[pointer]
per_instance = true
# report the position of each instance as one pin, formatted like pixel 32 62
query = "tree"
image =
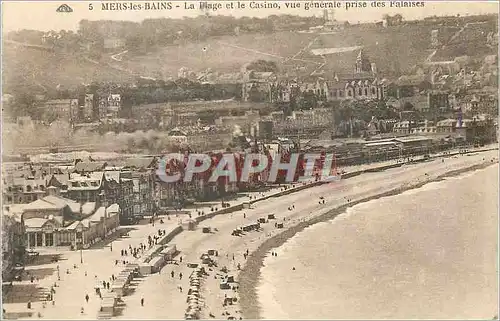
pixel 263 66
pixel 308 101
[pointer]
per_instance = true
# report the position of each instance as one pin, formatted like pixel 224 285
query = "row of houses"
pixel 129 185
pixel 258 86
pixel 478 128
pixel 81 110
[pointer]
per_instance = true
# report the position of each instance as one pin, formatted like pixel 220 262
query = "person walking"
pixel 142 302
pixel 87 298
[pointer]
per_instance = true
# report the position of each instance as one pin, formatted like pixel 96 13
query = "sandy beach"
pixel 162 292
pixel 165 295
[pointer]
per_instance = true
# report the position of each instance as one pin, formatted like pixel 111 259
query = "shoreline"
pixel 249 276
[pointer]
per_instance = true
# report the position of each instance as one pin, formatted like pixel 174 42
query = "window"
pixel 349 93
pixel 28 188
pixel 366 91
pixel 341 93
pixel 9 198
pixel 374 91
pixel 360 91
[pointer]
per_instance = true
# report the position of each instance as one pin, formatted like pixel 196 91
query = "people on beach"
pixel 87 298
pixel 142 302
pixel 180 276
pixel 172 274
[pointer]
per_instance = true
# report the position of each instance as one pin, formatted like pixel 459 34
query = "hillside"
pixel 227 53
pixel 471 41
pixel 395 50
pixel 46 69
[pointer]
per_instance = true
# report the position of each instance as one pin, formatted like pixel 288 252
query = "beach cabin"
pixel 145 268
pixel 213 252
pixel 157 263
pixel 279 225
pixel 119 287
pixel 262 220
pixel 169 252
pixel 189 225
pixel 206 229
pixel 271 217
pixel 108 304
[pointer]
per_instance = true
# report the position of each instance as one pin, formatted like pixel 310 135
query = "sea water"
pixel 426 253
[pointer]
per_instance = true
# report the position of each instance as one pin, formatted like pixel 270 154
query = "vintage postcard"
pixel 249 160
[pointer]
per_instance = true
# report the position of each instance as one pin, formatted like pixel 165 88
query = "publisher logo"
pixel 64 8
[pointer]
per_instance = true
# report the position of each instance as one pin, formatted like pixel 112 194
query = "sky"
pixel 42 15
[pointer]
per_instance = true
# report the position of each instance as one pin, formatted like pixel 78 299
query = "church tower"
pixel 362 63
